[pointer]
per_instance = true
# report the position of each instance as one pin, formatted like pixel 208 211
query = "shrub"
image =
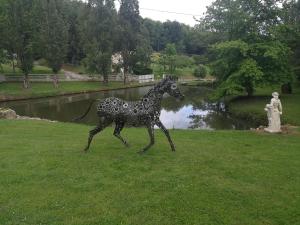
pixel 200 71
pixel 142 70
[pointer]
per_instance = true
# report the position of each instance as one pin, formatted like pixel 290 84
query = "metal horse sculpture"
pixel 144 112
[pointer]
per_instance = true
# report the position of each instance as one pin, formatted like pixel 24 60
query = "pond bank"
pixel 252 108
pixel 15 91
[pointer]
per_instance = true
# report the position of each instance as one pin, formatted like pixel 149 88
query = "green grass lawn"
pixel 37 69
pixel 253 108
pixel 14 90
pixel 222 177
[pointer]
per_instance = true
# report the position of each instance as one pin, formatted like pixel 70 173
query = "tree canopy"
pixel 246 43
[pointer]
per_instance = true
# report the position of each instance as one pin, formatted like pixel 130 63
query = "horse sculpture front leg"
pixel 166 132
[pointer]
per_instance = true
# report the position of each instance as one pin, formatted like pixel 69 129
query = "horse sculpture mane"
pixel 144 112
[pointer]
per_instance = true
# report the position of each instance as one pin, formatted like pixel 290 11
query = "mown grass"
pixel 253 108
pixel 222 177
pixel 15 90
pixel 37 69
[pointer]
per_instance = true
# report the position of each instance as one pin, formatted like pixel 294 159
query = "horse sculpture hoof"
pixel 127 145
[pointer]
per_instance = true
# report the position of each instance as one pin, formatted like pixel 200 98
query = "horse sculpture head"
pixel 169 85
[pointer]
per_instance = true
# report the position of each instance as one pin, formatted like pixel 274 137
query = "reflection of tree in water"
pixel 194 96
pixel 216 118
pixel 213 120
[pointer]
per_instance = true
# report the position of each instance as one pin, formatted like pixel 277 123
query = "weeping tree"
pixel 240 67
pixel 250 54
pixel 99 31
pixel 54 36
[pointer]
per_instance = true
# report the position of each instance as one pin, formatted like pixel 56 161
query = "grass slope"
pixel 11 90
pixel 37 69
pixel 223 177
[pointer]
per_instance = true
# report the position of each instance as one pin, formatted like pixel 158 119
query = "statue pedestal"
pixel 272 131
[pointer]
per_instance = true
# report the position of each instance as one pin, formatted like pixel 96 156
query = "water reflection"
pixel 192 113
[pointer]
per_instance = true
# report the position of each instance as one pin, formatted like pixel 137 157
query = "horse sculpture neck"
pixel 155 96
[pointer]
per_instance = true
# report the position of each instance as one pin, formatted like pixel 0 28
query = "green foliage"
pixel 130 28
pixel 243 19
pixel 239 66
pixel 96 61
pixel 20 33
pixel 99 33
pixel 170 57
pixel 53 32
pixel 200 71
pixel 3 58
pixel 139 69
pixel 184 61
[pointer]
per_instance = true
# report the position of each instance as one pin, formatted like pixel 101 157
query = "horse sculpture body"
pixel 144 112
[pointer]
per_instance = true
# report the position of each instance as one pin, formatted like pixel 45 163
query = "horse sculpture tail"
pixel 84 115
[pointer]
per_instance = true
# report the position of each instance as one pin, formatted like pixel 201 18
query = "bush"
pixel 142 70
pixel 200 71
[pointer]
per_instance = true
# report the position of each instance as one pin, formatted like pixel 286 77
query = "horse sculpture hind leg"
pixel 117 131
pixel 150 128
pixel 104 122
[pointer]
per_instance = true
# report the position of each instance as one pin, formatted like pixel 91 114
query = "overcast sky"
pixel 194 7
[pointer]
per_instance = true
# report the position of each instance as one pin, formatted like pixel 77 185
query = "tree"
pixel 200 71
pixel 8 39
pixel 171 53
pixel 240 67
pixel 3 58
pixel 130 27
pixel 243 19
pixel 99 34
pixel 155 33
pixel 289 33
pixel 142 56
pixel 250 54
pixel 21 29
pixel 54 36
pixel 74 18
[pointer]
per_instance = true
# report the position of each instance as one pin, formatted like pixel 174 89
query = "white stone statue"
pixel 274 110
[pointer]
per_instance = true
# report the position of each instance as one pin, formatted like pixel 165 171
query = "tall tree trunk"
pixel 13 65
pixel 249 90
pixel 125 75
pixel 286 88
pixel 105 79
pixel 26 81
pixel 55 80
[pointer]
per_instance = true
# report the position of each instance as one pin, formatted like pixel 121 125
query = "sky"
pixel 194 7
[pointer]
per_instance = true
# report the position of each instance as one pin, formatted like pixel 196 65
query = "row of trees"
pixel 246 43
pixel 73 31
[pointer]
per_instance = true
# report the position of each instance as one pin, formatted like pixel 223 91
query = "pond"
pixel 194 112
